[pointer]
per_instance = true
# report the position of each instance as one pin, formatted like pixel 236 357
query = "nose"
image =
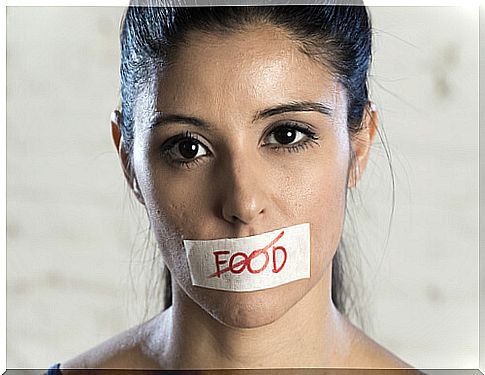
pixel 244 196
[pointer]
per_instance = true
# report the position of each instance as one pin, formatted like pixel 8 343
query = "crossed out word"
pixel 245 263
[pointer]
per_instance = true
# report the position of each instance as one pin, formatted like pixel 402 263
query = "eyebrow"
pixel 160 118
pixel 293 107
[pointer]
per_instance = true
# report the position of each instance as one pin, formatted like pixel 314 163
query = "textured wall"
pixel 75 240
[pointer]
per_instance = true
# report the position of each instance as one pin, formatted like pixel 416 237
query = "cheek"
pixel 181 206
pixel 170 198
pixel 171 214
pixel 328 214
pixel 165 204
pixel 321 199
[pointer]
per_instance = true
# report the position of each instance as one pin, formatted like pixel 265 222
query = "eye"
pixel 285 135
pixel 189 149
pixel 290 136
pixel 184 149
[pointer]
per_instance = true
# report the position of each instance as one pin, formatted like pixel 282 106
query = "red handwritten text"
pixel 240 261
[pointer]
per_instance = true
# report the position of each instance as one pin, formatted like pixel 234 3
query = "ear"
pixel 361 142
pixel 124 156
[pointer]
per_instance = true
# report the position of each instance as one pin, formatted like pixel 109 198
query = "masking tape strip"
pixel 251 263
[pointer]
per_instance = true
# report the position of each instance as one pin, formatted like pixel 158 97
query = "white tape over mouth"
pixel 251 263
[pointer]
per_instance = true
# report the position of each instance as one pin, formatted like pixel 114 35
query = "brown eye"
pixel 184 148
pixel 285 135
pixel 188 149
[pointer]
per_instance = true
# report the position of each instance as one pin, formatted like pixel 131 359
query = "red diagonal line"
pixel 224 270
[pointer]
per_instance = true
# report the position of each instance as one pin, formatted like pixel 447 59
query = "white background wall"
pixel 72 227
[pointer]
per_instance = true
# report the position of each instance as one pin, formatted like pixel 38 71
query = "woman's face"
pixel 260 142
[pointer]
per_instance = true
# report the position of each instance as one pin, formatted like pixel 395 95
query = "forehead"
pixel 242 72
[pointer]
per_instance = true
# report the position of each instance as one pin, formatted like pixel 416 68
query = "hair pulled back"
pixel 338 36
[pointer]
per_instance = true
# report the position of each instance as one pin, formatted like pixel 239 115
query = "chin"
pixel 251 309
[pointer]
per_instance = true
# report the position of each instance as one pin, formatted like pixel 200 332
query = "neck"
pixel 307 335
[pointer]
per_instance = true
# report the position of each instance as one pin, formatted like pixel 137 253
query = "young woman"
pixel 238 123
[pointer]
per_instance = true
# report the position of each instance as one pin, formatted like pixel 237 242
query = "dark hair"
pixel 338 36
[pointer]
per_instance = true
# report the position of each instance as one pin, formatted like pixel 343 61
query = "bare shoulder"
pixel 125 350
pixel 367 353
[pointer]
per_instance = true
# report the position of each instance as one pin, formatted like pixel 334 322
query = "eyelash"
pixel 167 147
pixel 302 145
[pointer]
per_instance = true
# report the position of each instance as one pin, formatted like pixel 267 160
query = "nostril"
pixel 240 213
pixel 241 199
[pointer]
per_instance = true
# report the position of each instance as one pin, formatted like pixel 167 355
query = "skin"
pixel 243 183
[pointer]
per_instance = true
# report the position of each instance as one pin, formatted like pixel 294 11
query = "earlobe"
pixel 137 192
pixel 118 142
pixel 116 129
pixel 123 155
pixel 361 142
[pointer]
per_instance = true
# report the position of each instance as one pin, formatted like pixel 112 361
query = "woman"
pixel 242 124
